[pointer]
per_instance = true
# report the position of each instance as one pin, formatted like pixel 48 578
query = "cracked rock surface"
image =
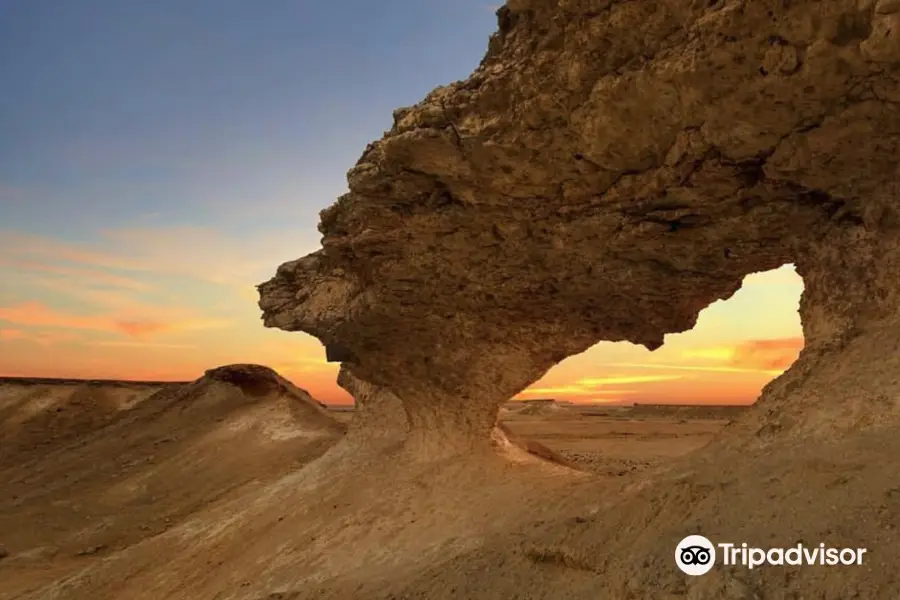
pixel 609 170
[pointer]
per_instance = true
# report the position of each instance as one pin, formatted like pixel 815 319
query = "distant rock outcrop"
pixel 549 409
pixel 226 388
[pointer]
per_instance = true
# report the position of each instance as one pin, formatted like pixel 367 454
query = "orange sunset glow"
pixel 127 307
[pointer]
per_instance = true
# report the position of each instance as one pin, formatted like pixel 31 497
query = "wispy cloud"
pixel 602 389
pixel 137 282
pixel 145 327
pixel 769 357
pixel 716 353
pixel 593 382
pixel 592 386
pixel 43 338
pixel 197 252
pixel 579 394
pixel 764 355
pixel 92 287
pixel 140 344
pixel 35 314
pixel 85 291
pixel 696 368
pixel 29 247
pixel 302 364
pixel 79 274
pixel 11 334
pixel 572 390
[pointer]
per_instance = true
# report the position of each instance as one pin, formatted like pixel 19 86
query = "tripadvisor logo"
pixel 696 555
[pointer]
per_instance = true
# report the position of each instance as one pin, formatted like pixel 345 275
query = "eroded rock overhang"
pixel 608 171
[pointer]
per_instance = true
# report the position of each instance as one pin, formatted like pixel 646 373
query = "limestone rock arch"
pixel 609 170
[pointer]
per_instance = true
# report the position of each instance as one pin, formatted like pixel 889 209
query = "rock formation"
pixel 256 384
pixel 379 418
pixel 609 170
pixel 380 423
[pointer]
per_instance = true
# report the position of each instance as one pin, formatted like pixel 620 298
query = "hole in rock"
pixel 737 346
pixel 673 400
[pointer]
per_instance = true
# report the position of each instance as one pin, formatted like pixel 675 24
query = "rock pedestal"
pixel 608 171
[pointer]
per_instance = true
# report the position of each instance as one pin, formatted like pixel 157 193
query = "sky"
pixel 160 159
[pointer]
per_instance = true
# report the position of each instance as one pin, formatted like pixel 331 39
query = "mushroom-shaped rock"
pixel 609 170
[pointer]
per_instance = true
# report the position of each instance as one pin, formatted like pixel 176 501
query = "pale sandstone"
pixel 608 171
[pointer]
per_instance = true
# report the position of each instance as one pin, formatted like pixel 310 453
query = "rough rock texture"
pixel 608 171
pixel 261 384
pixel 381 423
pixel 532 447
pixel 379 418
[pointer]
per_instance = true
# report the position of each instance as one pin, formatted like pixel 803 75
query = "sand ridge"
pixel 113 474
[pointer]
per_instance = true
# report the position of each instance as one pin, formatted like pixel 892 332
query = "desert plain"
pixel 102 479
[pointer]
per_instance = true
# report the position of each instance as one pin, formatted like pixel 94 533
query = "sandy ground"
pixel 91 469
pixel 222 490
pixel 618 445
pixel 104 484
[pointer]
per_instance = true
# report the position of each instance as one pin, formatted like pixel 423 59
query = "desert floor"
pixel 92 473
pixel 615 444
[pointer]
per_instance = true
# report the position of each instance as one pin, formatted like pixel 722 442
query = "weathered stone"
pixel 608 171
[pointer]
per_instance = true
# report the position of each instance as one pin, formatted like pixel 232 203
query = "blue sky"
pixel 199 111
